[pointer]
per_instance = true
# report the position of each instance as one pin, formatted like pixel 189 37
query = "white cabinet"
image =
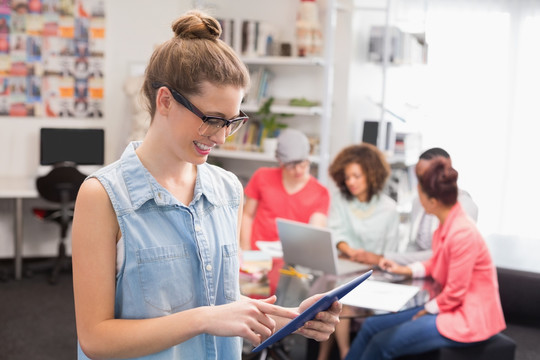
pixel 291 77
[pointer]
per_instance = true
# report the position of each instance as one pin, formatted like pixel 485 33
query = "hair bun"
pixel 196 25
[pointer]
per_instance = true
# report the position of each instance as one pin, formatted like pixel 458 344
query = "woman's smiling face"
pixel 222 101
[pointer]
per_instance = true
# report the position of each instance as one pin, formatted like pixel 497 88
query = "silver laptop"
pixel 313 247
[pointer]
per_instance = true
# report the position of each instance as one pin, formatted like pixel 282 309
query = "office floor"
pixel 38 322
pixel 37 319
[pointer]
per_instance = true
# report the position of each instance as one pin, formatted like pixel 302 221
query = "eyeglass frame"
pixel 292 165
pixel 182 100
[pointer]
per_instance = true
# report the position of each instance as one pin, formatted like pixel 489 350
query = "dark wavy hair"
pixel 373 164
pixel 434 152
pixel 439 181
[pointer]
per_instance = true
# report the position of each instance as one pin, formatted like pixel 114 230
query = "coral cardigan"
pixel 469 304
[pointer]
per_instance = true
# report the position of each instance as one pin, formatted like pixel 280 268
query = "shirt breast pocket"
pixel 165 276
pixel 230 271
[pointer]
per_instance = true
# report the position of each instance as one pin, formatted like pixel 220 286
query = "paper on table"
pixel 378 295
pixel 272 248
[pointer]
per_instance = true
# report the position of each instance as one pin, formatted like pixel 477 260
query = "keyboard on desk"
pixel 345 266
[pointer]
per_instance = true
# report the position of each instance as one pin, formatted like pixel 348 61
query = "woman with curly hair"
pixel 364 221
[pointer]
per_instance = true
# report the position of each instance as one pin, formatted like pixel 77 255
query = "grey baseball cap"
pixel 293 145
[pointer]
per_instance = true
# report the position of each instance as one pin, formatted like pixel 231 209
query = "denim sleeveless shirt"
pixel 176 257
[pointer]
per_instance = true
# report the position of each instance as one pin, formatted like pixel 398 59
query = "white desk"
pixel 18 189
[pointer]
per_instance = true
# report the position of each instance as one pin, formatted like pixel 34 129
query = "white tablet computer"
pixel 320 305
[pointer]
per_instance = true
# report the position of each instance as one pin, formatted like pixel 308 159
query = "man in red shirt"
pixel 288 191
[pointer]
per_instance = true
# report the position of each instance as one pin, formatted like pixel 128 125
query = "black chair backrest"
pixel 61 184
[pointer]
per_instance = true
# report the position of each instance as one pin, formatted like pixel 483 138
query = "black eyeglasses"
pixel 299 163
pixel 211 124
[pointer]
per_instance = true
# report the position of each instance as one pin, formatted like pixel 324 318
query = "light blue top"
pixel 175 257
pixel 372 226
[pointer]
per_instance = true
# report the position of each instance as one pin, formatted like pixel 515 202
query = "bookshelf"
pixel 287 109
pixel 252 155
pixel 284 78
pixel 284 60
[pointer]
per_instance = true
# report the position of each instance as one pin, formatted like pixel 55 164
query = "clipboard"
pixel 320 305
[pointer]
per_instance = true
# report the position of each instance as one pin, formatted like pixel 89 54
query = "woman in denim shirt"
pixel 155 234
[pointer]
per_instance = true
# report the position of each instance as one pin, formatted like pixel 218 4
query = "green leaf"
pixel 269 120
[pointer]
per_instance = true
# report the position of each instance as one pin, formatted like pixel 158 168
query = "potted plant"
pixel 271 125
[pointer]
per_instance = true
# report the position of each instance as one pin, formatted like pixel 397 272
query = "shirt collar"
pixel 452 215
pixel 365 204
pixel 142 186
pixel 205 185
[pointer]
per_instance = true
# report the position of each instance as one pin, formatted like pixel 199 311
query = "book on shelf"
pixel 249 138
pixel 258 90
pixel 257 38
pixel 227 31
pixel 267 40
pixel 250 38
pixel 263 85
pixel 250 142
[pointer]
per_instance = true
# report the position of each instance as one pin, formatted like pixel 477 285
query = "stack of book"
pixel 249 138
pixel 250 38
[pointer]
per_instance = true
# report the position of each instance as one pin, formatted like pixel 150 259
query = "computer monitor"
pixel 370 133
pixel 79 146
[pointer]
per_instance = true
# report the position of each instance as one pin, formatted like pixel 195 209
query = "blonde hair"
pixel 194 54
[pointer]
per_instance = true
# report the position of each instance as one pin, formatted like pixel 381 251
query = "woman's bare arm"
pixel 95 233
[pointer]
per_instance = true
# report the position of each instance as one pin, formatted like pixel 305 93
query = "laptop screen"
pixel 313 247
pixel 307 246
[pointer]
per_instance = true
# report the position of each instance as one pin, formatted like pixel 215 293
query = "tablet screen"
pixel 320 305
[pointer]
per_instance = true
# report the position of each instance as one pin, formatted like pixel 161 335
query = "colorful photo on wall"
pixel 52 58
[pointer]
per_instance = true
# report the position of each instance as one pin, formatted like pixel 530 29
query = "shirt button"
pixel 208 267
pixel 197 228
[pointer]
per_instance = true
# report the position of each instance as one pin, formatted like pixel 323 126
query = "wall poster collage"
pixel 52 58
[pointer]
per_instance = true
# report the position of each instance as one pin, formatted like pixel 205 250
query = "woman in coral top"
pixel 468 308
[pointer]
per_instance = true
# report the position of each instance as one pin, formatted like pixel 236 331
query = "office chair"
pixel 60 186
